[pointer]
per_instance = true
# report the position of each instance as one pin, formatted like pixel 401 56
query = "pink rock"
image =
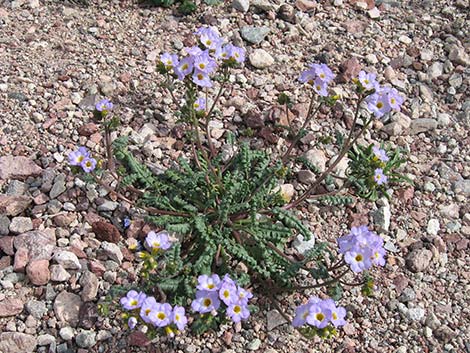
pixel 306 5
pixel 39 244
pixel 18 167
pixel 38 272
pixel 41 199
pixel 370 3
pixel 10 307
pixel 6 245
pixel 21 260
pixel 88 129
pixel 349 69
pixel 97 268
pixel 13 205
pixel 5 261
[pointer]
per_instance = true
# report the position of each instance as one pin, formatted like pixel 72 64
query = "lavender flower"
pixel 358 259
pixel 201 79
pixel 380 154
pixel 223 52
pixel 78 156
pixel 193 51
pixel 238 311
pixel 383 101
pixel 394 99
pixel 319 315
pixel 160 316
pixel 133 300
pixel 228 292
pixel 158 241
pixel 204 63
pixel 301 314
pixel 132 322
pixel 178 317
pixel 169 60
pixel 147 308
pixel 379 176
pixel 243 295
pixel 199 104
pixel 337 313
pixel 208 283
pixel 368 80
pixel 237 53
pixel 126 222
pixel 209 37
pixel 88 164
pixel 323 72
pixel 205 302
pixel 184 67
pixel 321 87
pixel 104 105
pixel 319 76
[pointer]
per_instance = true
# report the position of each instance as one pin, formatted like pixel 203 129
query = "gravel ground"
pixel 57 260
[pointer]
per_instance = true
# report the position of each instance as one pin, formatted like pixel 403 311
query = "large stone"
pixel 112 251
pixel 303 246
pixel 21 260
pixel 10 307
pixel 67 307
pixel 59 186
pixel 106 232
pixel 86 339
pixel 36 308
pixel 241 5
pixel 254 35
pixel 40 245
pixel 18 168
pixel 16 342
pixel 68 260
pixel 261 59
pixel 90 284
pixel 59 274
pixel 317 158
pixel 274 319
pixel 349 69
pixel 422 125
pixel 13 205
pixel 418 260
pixel 38 272
pixel 462 187
pixel 459 56
pixel 20 225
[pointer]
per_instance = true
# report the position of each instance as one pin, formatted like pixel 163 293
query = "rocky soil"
pixel 62 247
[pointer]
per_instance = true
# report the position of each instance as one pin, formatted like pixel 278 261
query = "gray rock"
pixel 16 187
pixel 435 70
pixel 254 345
pixel 108 206
pixel 407 295
pixel 274 319
pixel 241 5
pixel 382 218
pixel 443 119
pixel 462 187
pixel 58 187
pixel 36 308
pixel 67 307
pixel 415 314
pixel 261 59
pixel 112 251
pixel 418 260
pixel 301 245
pixel 317 158
pixel 306 176
pixel 254 35
pixel 46 340
pixel 66 333
pixel 444 333
pixel 59 274
pixel 16 342
pixel 18 168
pixel 265 5
pixel 422 125
pixel 90 284
pixel 86 339
pixel 459 56
pixel 68 260
pixel 4 225
pixel 20 225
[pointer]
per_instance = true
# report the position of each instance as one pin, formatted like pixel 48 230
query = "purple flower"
pixel 104 105
pixel 133 300
pixel 379 176
pixel 169 60
pixel 193 51
pixel 147 308
pixel 323 72
pixel 204 63
pixel 157 241
pixel 132 322
pixel 199 104
pixel 178 317
pixel 201 79
pixel 378 104
pixel 205 302
pixel 160 316
pixel 228 293
pixel 321 87
pixel 78 156
pixel 237 53
pixel 301 314
pixel 378 256
pixel 223 52
pixel 184 67
pixel 337 313
pixel 380 154
pixel 307 76
pixel 394 99
pixel 126 223
pixel 243 295
pixel 238 311
pixel 209 37
pixel 319 315
pixel 368 80
pixel 88 164
pixel 358 259
pixel 208 283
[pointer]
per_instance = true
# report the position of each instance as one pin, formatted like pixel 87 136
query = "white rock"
pixel 405 40
pixel 68 260
pixel 241 5
pixel 374 13
pixel 433 226
pixel 113 251
pixel 261 59
pixel 66 333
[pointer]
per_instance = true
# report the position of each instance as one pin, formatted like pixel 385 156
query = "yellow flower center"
pixel 208 42
pixel 335 317
pixel 318 87
pixel 237 309
pixel 88 164
pixel 393 100
pixel 380 105
pixel 226 293
pixel 148 311
pixel 185 66
pixel 202 66
pixel 161 316
pixel 169 63
pixel 155 244
pixel 207 302
pixel 81 158
pixel 177 317
pixel 200 76
pixel 358 258
pixel 133 302
pixel 210 286
pixel 320 316
pixel 366 81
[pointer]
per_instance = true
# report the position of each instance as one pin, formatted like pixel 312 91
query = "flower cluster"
pixel 380 154
pixel 157 241
pixel 362 248
pixel 82 158
pixel 202 60
pixel 319 313
pixel 212 290
pixel 383 99
pixel 319 76
pixel 160 315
